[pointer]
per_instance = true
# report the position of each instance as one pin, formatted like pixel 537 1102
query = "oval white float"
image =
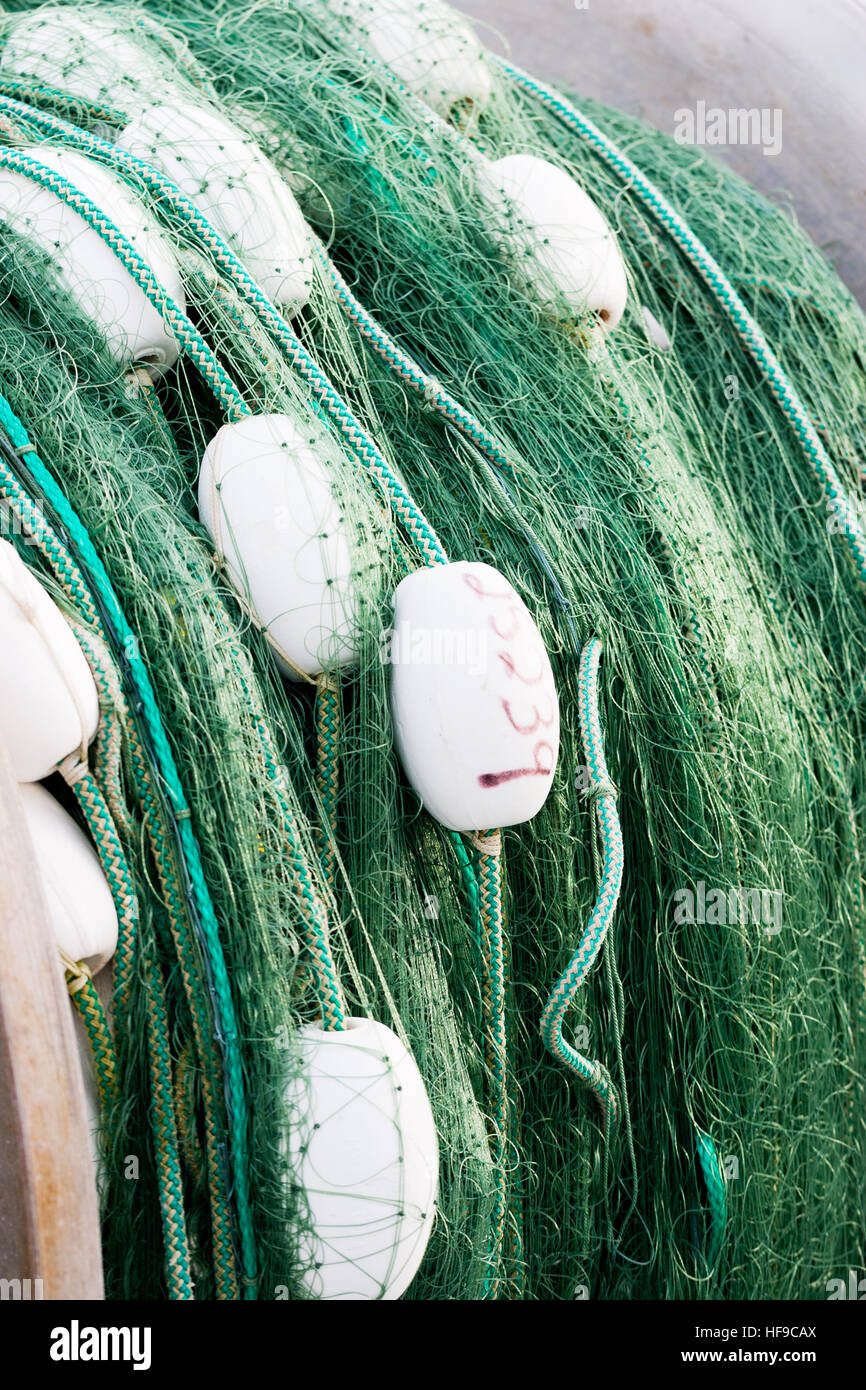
pixel 80 906
pixel 363 1146
pixel 556 239
pixel 476 714
pixel 236 187
pixel 267 499
pixel 106 292
pixel 49 705
pixel 88 53
pixel 428 46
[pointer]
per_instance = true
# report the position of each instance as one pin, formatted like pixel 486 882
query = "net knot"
pixel 603 788
pixel 432 391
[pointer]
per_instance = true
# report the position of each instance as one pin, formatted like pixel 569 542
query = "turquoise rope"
pixel 203 916
pixel 717 1194
pixel 602 791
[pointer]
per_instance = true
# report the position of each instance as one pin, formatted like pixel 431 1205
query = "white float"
pixel 235 186
pixel 363 1146
pixel 475 709
pixel 266 496
pixel 86 52
pixel 49 705
pixel 556 240
pixel 106 292
pixel 80 906
pixel 427 45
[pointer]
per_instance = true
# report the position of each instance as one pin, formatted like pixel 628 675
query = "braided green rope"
pixel 327 772
pixel 89 1007
pixel 402 365
pixel 29 92
pixel 105 752
pixel 489 846
pixel 101 825
pixel 748 331
pixel 165 1133
pixel 185 1113
pixel 88 1004
pixel 197 891
pixel 603 793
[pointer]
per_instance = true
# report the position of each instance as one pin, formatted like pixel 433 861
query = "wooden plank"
pixel 49 1218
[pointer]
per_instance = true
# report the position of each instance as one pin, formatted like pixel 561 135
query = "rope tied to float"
pixel 88 1006
pixel 78 971
pixel 494 983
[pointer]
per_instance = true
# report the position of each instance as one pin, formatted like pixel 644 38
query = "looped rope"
pixel 88 1005
pixel 73 768
pixel 602 793
pixel 78 972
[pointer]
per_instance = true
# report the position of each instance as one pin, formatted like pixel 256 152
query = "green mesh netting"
pixel 657 498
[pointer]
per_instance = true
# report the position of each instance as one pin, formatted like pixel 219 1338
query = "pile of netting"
pixel 686 489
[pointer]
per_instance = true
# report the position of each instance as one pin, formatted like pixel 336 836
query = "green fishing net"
pixel 649 491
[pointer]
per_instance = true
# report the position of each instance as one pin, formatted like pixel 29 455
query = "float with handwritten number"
pixel 476 714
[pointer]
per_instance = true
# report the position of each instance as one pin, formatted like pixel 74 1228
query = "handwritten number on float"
pixel 542 765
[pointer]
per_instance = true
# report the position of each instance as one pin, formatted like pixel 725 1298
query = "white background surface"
pixel 651 57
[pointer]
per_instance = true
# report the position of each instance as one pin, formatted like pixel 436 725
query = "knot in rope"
pixel 488 841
